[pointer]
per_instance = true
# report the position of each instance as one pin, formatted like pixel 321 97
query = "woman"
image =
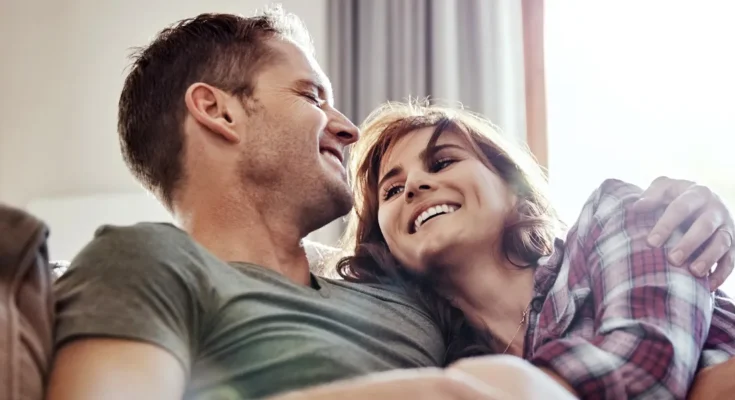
pixel 449 208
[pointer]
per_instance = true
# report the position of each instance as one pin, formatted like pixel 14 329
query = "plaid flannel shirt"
pixel 613 318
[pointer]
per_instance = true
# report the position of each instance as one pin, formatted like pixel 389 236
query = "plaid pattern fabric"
pixel 613 318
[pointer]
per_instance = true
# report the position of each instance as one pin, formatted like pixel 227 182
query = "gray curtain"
pixel 467 52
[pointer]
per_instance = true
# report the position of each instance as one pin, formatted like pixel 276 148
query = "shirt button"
pixel 537 303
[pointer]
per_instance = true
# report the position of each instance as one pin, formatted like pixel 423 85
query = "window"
pixel 638 89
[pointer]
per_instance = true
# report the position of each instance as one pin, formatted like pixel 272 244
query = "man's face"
pixel 295 139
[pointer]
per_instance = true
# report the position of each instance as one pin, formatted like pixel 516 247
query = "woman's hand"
pixel 709 236
pixel 516 377
pixel 714 383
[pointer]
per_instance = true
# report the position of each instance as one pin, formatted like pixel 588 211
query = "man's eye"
pixel 312 98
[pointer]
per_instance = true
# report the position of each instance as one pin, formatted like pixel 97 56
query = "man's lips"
pixel 333 151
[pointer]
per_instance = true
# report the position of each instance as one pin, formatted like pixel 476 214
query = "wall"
pixel 62 69
pixel 61 80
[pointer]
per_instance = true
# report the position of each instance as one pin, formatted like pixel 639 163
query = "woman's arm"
pixel 651 318
pixel 715 383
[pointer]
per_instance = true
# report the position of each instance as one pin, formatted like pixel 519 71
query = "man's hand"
pixel 515 377
pixel 711 227
pixel 429 384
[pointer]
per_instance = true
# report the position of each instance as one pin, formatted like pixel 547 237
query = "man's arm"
pixel 111 369
pixel 517 378
pixel 424 383
pixel 128 312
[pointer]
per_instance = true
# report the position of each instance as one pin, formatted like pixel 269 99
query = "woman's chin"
pixel 439 248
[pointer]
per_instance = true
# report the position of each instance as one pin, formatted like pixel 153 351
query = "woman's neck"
pixel 494 294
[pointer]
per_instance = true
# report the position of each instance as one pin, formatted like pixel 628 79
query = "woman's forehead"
pixel 413 144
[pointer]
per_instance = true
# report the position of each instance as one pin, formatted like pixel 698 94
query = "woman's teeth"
pixel 432 212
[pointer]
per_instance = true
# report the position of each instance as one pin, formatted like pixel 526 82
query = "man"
pixel 230 122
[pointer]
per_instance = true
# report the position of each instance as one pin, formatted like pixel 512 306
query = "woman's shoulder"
pixel 612 194
pixel 612 200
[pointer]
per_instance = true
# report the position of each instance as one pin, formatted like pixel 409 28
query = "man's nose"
pixel 342 128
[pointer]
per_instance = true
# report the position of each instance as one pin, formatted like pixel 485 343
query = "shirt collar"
pixel 547 270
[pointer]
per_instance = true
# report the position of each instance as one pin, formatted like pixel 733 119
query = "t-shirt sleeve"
pixel 132 283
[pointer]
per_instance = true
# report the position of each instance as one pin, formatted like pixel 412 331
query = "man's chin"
pixel 341 197
pixel 335 202
pixel 343 204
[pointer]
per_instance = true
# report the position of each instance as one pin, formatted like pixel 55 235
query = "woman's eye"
pixel 441 164
pixel 392 191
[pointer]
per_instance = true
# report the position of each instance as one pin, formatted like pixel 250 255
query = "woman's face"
pixel 436 205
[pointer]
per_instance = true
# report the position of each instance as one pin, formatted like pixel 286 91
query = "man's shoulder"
pixel 143 234
pixel 143 239
pixel 139 248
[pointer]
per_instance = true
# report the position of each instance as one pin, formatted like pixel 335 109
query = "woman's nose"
pixel 416 187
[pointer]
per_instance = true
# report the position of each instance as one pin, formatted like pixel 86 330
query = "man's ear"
pixel 209 106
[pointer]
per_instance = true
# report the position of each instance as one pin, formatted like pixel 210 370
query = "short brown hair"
pixel 529 231
pixel 223 50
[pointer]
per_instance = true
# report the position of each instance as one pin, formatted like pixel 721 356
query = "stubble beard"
pixel 333 201
pixel 317 198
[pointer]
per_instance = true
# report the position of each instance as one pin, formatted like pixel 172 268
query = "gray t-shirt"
pixel 239 330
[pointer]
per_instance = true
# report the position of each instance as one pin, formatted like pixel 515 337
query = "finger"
pixel 653 196
pixel 717 247
pixel 724 268
pixel 702 231
pixel 684 207
pixel 661 192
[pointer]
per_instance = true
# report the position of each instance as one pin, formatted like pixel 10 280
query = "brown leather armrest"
pixel 26 306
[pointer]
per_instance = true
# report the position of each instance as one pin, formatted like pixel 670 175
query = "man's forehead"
pixel 303 65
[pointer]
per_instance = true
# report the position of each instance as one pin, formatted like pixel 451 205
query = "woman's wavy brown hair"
pixel 528 233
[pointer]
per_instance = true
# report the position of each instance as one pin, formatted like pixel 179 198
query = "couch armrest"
pixel 26 306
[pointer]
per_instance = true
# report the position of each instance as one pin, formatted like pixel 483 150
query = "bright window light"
pixel 638 89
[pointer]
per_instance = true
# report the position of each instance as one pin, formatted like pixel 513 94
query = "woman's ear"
pixel 208 105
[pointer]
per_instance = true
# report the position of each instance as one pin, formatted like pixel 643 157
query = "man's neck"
pixel 245 231
pixel 490 290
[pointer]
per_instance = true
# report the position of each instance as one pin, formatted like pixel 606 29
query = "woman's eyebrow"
pixel 428 152
pixel 393 172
